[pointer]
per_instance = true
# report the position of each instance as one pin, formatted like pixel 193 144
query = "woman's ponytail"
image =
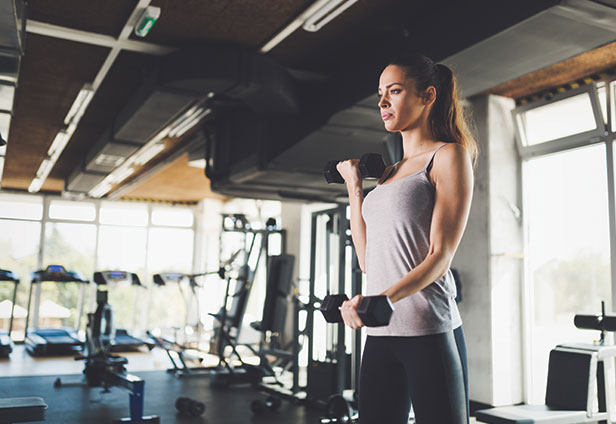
pixel 447 117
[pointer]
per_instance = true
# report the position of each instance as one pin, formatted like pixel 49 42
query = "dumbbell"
pixel 190 406
pixel 258 406
pixel 374 311
pixel 371 165
pixel 339 410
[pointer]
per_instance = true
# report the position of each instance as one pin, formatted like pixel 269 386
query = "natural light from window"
pixel 573 115
pixel 568 253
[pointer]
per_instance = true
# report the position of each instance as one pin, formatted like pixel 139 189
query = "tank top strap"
pixel 432 156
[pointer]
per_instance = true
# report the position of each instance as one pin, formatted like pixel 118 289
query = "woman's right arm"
pixel 349 170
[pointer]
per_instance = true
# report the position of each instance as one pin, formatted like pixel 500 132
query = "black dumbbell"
pixel 371 165
pixel 339 410
pixel 258 406
pixel 190 406
pixel 374 311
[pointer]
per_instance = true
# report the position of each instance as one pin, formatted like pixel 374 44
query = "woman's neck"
pixel 416 141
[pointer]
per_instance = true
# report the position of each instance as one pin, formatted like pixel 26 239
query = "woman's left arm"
pixel 452 175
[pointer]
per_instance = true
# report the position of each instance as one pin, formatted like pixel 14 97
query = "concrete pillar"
pixel 490 262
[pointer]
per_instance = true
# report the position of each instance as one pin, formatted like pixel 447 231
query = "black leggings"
pixel 431 370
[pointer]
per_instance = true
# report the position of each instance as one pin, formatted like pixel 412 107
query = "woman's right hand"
pixel 349 170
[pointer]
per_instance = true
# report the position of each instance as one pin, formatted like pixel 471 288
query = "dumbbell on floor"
pixel 371 165
pixel 374 311
pixel 339 410
pixel 258 406
pixel 189 406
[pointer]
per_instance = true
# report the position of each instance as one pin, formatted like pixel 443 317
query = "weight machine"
pixel 104 369
pixel 574 371
pixel 256 242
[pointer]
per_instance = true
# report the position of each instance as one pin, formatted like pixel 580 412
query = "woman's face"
pixel 402 107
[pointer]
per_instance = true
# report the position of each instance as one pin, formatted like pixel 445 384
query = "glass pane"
pixel 123 214
pixel 7 93
pixel 60 305
pixel 602 94
pixel 123 248
pixel 19 246
pixel 177 217
pixel 21 207
pixel 568 249
pixel 73 246
pixel 70 245
pixel 79 211
pixel 613 102
pixel 5 123
pixel 563 118
pixel 169 249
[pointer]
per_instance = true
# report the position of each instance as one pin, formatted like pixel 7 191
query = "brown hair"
pixel 447 117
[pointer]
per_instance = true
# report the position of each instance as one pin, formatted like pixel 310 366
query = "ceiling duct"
pixel 244 160
pixel 551 36
pixel 187 83
pixel 12 35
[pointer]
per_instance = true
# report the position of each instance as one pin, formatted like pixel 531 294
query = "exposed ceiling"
pixel 333 70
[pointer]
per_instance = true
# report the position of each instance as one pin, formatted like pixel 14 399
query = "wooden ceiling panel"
pixel 245 22
pixel 52 73
pixel 121 83
pixel 103 17
pixel 177 182
pixel 577 67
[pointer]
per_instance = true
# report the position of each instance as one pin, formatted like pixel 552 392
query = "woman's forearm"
pixel 433 267
pixel 358 225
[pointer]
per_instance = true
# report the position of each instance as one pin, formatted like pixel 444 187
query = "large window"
pixel 72 246
pixel 568 249
pixel 563 142
pixel 19 247
pixel 122 245
pixel 169 249
pixel 86 236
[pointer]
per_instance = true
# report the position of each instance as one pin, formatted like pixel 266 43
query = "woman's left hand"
pixel 348 310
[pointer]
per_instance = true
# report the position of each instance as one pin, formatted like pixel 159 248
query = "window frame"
pixel 608 137
pixel 596 135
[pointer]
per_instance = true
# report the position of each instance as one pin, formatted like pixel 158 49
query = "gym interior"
pixel 168 237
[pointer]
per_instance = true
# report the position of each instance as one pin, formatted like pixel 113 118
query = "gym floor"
pixel 74 404
pixel 23 375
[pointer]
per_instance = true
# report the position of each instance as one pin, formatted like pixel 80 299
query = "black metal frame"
pixel 63 277
pixel 231 375
pixel 340 226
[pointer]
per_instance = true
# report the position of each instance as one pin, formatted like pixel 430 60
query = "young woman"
pixel 406 232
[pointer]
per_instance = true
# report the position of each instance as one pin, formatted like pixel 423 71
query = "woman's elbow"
pixel 443 259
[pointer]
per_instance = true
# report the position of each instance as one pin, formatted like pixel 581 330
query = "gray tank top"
pixel 398 217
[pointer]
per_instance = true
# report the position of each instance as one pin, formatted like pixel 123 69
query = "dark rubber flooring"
pixel 84 405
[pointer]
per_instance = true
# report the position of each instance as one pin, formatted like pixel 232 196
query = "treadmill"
pixel 54 341
pixel 6 345
pixel 122 341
